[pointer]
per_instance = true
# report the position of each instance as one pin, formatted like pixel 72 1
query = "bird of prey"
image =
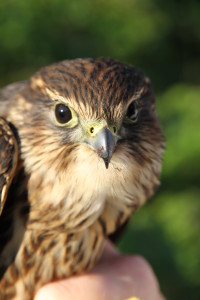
pixel 80 150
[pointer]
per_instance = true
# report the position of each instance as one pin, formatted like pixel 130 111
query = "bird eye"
pixel 63 113
pixel 132 112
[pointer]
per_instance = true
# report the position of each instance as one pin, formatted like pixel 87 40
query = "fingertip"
pixel 43 293
pixel 142 272
pixel 51 291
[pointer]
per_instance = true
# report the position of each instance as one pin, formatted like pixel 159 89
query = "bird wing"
pixel 8 159
pixel 9 150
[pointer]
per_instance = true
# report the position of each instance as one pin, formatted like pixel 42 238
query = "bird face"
pixel 91 123
pixel 95 102
pixel 99 134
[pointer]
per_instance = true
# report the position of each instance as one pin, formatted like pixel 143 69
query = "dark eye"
pixel 63 113
pixel 132 111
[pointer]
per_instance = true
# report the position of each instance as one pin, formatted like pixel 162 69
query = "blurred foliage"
pixel 163 38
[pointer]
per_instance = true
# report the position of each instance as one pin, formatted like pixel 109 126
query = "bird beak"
pixel 104 142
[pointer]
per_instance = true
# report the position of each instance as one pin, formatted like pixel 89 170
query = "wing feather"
pixel 8 159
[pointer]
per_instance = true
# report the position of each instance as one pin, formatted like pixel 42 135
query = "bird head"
pixel 100 103
pixel 90 122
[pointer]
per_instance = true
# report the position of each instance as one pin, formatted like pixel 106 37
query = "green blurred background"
pixel 162 38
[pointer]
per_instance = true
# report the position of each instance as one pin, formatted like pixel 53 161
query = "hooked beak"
pixel 104 143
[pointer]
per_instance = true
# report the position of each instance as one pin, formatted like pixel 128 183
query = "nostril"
pixel 114 129
pixel 91 130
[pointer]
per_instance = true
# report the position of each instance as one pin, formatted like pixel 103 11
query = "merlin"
pixel 80 151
